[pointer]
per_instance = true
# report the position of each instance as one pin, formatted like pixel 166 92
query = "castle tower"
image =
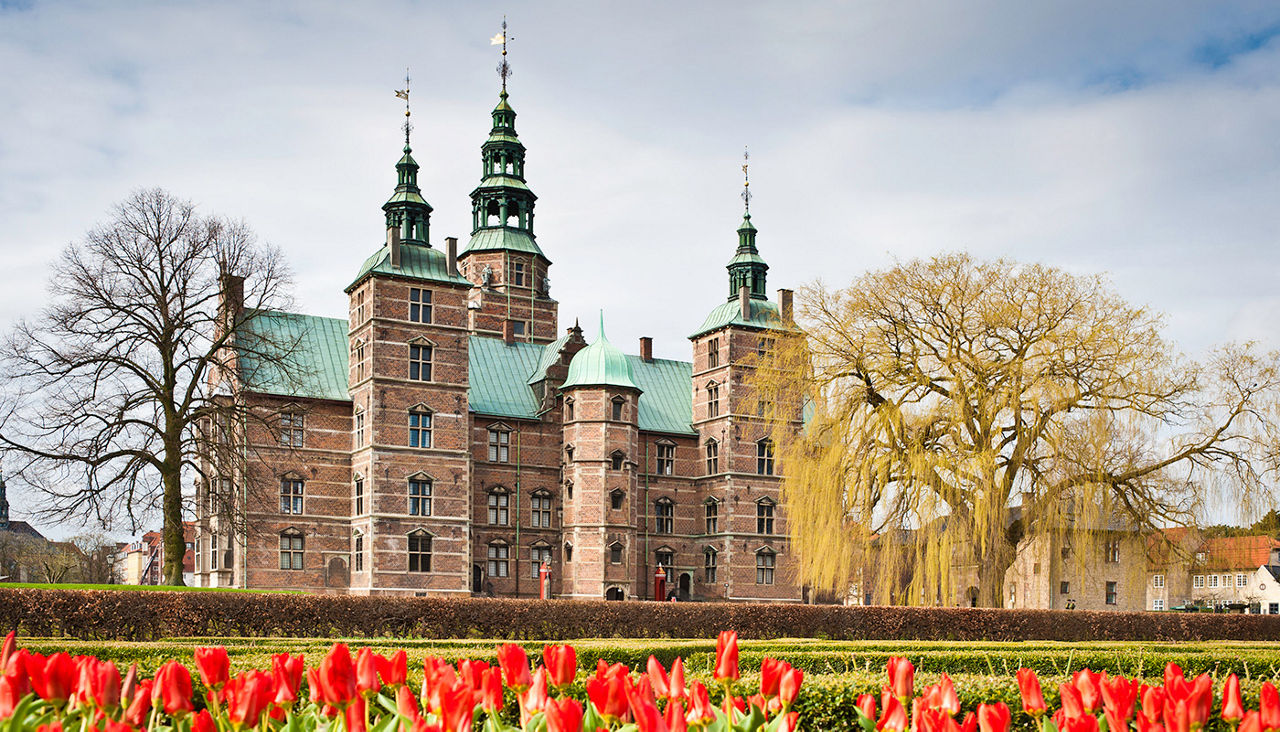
pixel 409 502
pixel 602 509
pixel 739 487
pixel 502 259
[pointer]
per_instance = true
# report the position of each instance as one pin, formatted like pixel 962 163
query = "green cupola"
pixel 600 364
pixel 747 268
pixel 502 205
pixel 407 210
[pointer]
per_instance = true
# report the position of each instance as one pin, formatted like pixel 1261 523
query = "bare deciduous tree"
pixel 106 400
pixel 959 407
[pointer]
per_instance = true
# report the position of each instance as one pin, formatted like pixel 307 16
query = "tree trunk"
pixel 991 570
pixel 172 535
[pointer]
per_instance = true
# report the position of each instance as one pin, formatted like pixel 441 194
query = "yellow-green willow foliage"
pixel 953 408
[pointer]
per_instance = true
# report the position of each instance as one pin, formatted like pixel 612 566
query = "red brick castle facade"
pixel 449 439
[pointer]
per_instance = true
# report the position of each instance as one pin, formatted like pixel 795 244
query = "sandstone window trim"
pixel 617 496
pixel 420 305
pixel 292 426
pixel 713 399
pixel 540 504
pixel 617 405
pixel 539 552
pixel 357 358
pixel 359 426
pixel 420 426
pixel 713 456
pixel 766 564
pixel 710 559
pixel 292 491
pixel 499 443
pixel 617 460
pixel 358 492
pixel 419 548
pixel 421 359
pixel 615 552
pixel 711 516
pixel 568 551
pixel 568 409
pixel 664 557
pixel 499 504
pixel 765 516
pixel 665 457
pixel 664 510
pixel 292 549
pixel 420 487
pixel 713 353
pixel 357 551
pixel 499 558
pixel 764 456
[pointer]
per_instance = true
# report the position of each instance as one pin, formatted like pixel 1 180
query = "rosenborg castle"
pixel 450 439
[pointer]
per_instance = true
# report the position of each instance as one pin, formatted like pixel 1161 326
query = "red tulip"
pixel 658 677
pixel 356 713
pixel 727 656
pixel 1172 674
pixel 515 666
pixel 1232 707
pixel 366 673
pixel 395 670
pixel 1088 684
pixel 562 664
pixel 438 677
pixel 173 689
pixel 1032 696
pixel 1200 700
pixel 337 677
pixel 563 716
pixel 902 677
pixel 55 726
pixel 609 695
pixel 491 690
pixel 55 679
pixel 1152 704
pixel 1177 715
pixel 929 719
pixel 246 698
pixel 701 711
pixel 867 705
pixel 993 717
pixel 534 699
pixel 99 683
pixel 214 666
pixel 789 686
pixel 644 710
pixel 457 709
pixel 790 722
pixel 947 700
pixel 970 723
pixel 1072 706
pixel 140 705
pixel 407 704
pixel 894 716
pixel 202 722
pixel 114 726
pixel 1269 706
pixel 10 695
pixel 1118 697
pixel 770 673
pixel 1252 722
pixel 673 716
pixel 286 672
pixel 1083 723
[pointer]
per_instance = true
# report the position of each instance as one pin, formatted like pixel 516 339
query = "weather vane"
pixel 746 179
pixel 504 68
pixel 404 94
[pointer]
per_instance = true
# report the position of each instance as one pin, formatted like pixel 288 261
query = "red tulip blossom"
pixel 337 677
pixel 394 670
pixel 893 718
pixel 1089 684
pixel 533 699
pixel 789 686
pixel 562 664
pixel 99 683
pixel 1252 722
pixel 727 656
pixel 214 666
pixel 902 675
pixel 564 715
pixel 140 705
pixel 515 666
pixel 407 704
pixel 173 689
pixel 609 695
pixel 55 678
pixel 457 708
pixel 246 697
pixel 867 705
pixel 491 690
pixel 1232 707
pixel 1072 706
pixel 994 717
pixel 367 683
pixel 1032 696
pixel 10 695
pixel 658 679
pixel 1119 696
pixel 201 722
pixel 286 672
pixel 770 673
pixel 1269 706
pixel 701 711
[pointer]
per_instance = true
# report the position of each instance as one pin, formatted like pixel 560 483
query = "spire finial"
pixel 504 68
pixel 601 323
pixel 746 180
pixel 404 94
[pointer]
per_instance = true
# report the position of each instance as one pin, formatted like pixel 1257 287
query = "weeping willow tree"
pixel 956 408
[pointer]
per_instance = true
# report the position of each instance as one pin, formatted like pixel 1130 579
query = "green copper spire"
pixel 747 268
pixel 407 210
pixel 600 364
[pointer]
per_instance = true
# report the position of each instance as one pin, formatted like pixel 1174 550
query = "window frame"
pixel 537 554
pixel 617 499
pixel 293 429
pixel 540 515
pixel 421 420
pixel 357 552
pixel 499 444
pixel 616 552
pixel 617 406
pixel 664 512
pixel 357 490
pixel 712 451
pixel 420 488
pixel 1157 581
pixel 765 515
pixel 713 353
pixel 617 460
pixel 421 360
pixel 711 516
pixel 292 492
pixel 766 565
pixel 292 553
pixel 498 558
pixel 499 506
pixel 710 564
pixel 420 305
pixel 1197 582
pixel 1112 590
pixel 764 456
pixel 420 554
pixel 665 458
pixel 713 400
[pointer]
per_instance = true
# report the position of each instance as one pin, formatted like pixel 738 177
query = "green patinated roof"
pixel 503 238
pixel 666 404
pixel 417 262
pixel 550 354
pixel 408 197
pixel 600 364
pixel 747 258
pixel 764 314
pixel 502 136
pixel 503 181
pixel 316 367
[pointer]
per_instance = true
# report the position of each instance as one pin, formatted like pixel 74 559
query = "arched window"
pixel 766 561
pixel 419 551
pixel 709 559
pixel 541 501
pixel 713 457
pixel 291 549
pixel 764 516
pixel 713 400
pixel 420 495
pixel 498 504
pixel 764 457
pixel 663 513
pixel 499 556
pixel 616 460
pixel 420 426
pixel 617 404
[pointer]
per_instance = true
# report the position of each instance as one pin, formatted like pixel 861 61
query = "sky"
pixel 1137 139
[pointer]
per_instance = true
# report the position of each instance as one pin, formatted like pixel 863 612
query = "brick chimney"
pixel 744 302
pixel 393 243
pixel 646 349
pixel 230 301
pixel 451 254
pixel 508 331
pixel 784 304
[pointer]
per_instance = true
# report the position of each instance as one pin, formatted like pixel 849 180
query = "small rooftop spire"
pixel 504 68
pixel 602 324
pixel 746 181
pixel 404 94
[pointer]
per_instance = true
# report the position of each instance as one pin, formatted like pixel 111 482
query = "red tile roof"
pixel 1238 552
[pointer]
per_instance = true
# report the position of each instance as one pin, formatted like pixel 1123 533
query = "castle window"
pixel 666 458
pixel 498 501
pixel 419 427
pixel 517 274
pixel 766 561
pixel 517 327
pixel 498 555
pixel 615 553
pixel 713 400
pixel 712 513
pixel 713 353
pixel 359 494
pixel 419 551
pixel 357 358
pixel 1064 588
pixel 616 498
pixel 664 516
pixel 713 457
pixel 360 306
pixel 499 445
pixel 541 510
pixel 1198 582
pixel 568 489
pixel 1111 594
pixel 617 409
pixel 616 460
pixel 764 457
pixel 568 552
pixel 1157 580
pixel 359 427
pixel 1213 581
pixel 568 410
pixel 709 557
pixel 213 551
pixel 419 496
pixel 538 555
pixel 291 429
pixel 763 346
pixel 420 356
pixel 419 305
pixel 291 546
pixel 764 516
pixel 1112 550
pixel 357 553
pixel 290 495
pixel 664 558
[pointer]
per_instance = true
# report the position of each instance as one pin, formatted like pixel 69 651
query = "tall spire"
pixel 747 268
pixel 407 211
pixel 504 68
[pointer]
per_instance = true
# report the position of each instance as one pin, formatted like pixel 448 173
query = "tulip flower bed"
pixel 368 691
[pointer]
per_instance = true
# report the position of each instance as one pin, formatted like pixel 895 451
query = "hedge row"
pixel 106 615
